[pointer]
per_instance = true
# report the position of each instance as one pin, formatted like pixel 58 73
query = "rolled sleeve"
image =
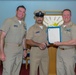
pixel 6 25
pixel 73 30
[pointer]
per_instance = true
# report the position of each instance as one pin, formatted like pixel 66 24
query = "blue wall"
pixel 8 8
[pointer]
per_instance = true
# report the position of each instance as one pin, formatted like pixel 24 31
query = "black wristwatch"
pixel 24 49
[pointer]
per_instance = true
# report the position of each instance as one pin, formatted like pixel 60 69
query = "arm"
pixel 67 43
pixel 35 44
pixel 2 37
pixel 24 47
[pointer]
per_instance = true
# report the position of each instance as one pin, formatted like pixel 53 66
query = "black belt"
pixel 66 48
pixel 62 48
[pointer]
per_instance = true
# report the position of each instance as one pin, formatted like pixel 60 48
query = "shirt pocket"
pixel 37 33
pixel 15 29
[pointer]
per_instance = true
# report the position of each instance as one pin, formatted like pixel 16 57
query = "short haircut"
pixel 21 6
pixel 66 10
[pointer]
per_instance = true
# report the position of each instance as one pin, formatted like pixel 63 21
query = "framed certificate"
pixel 54 34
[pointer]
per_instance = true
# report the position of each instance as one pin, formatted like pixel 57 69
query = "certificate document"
pixel 54 34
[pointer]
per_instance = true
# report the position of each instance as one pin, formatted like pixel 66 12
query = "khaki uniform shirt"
pixel 37 34
pixel 14 30
pixel 68 33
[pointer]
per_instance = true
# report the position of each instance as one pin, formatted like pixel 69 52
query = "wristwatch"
pixel 24 49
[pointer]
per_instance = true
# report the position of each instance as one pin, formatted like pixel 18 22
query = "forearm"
pixel 24 43
pixel 71 42
pixel 2 45
pixel 2 37
pixel 32 43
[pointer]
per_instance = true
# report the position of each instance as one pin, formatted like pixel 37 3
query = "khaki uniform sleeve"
pixel 6 25
pixel 30 33
pixel 25 31
pixel 73 32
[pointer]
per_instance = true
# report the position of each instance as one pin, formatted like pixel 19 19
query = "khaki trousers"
pixel 39 59
pixel 12 64
pixel 65 62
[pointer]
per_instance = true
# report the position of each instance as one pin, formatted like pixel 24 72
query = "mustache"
pixel 39 20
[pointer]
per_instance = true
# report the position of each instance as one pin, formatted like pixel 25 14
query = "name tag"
pixel 68 29
pixel 15 25
pixel 38 32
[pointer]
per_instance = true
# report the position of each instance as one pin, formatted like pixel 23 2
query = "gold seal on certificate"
pixel 54 34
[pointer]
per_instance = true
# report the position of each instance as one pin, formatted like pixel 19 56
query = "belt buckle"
pixel 62 48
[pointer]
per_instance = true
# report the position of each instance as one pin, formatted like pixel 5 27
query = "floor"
pixel 23 71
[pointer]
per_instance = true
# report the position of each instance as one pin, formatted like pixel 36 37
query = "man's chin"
pixel 40 22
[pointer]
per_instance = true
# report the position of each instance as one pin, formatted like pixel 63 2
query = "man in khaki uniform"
pixel 66 50
pixel 12 42
pixel 37 38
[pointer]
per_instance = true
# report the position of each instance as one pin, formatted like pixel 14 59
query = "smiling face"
pixel 66 16
pixel 20 13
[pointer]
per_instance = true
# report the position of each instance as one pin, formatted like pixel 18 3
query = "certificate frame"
pixel 54 34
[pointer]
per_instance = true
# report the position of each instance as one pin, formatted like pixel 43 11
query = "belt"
pixel 62 48
pixel 65 48
pixel 15 44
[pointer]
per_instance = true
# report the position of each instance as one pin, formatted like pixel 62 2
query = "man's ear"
pixel 34 17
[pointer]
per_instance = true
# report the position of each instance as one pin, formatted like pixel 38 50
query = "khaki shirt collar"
pixel 68 25
pixel 37 25
pixel 16 19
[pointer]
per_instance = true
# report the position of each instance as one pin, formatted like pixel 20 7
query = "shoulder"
pixel 8 20
pixel 32 27
pixel 73 25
